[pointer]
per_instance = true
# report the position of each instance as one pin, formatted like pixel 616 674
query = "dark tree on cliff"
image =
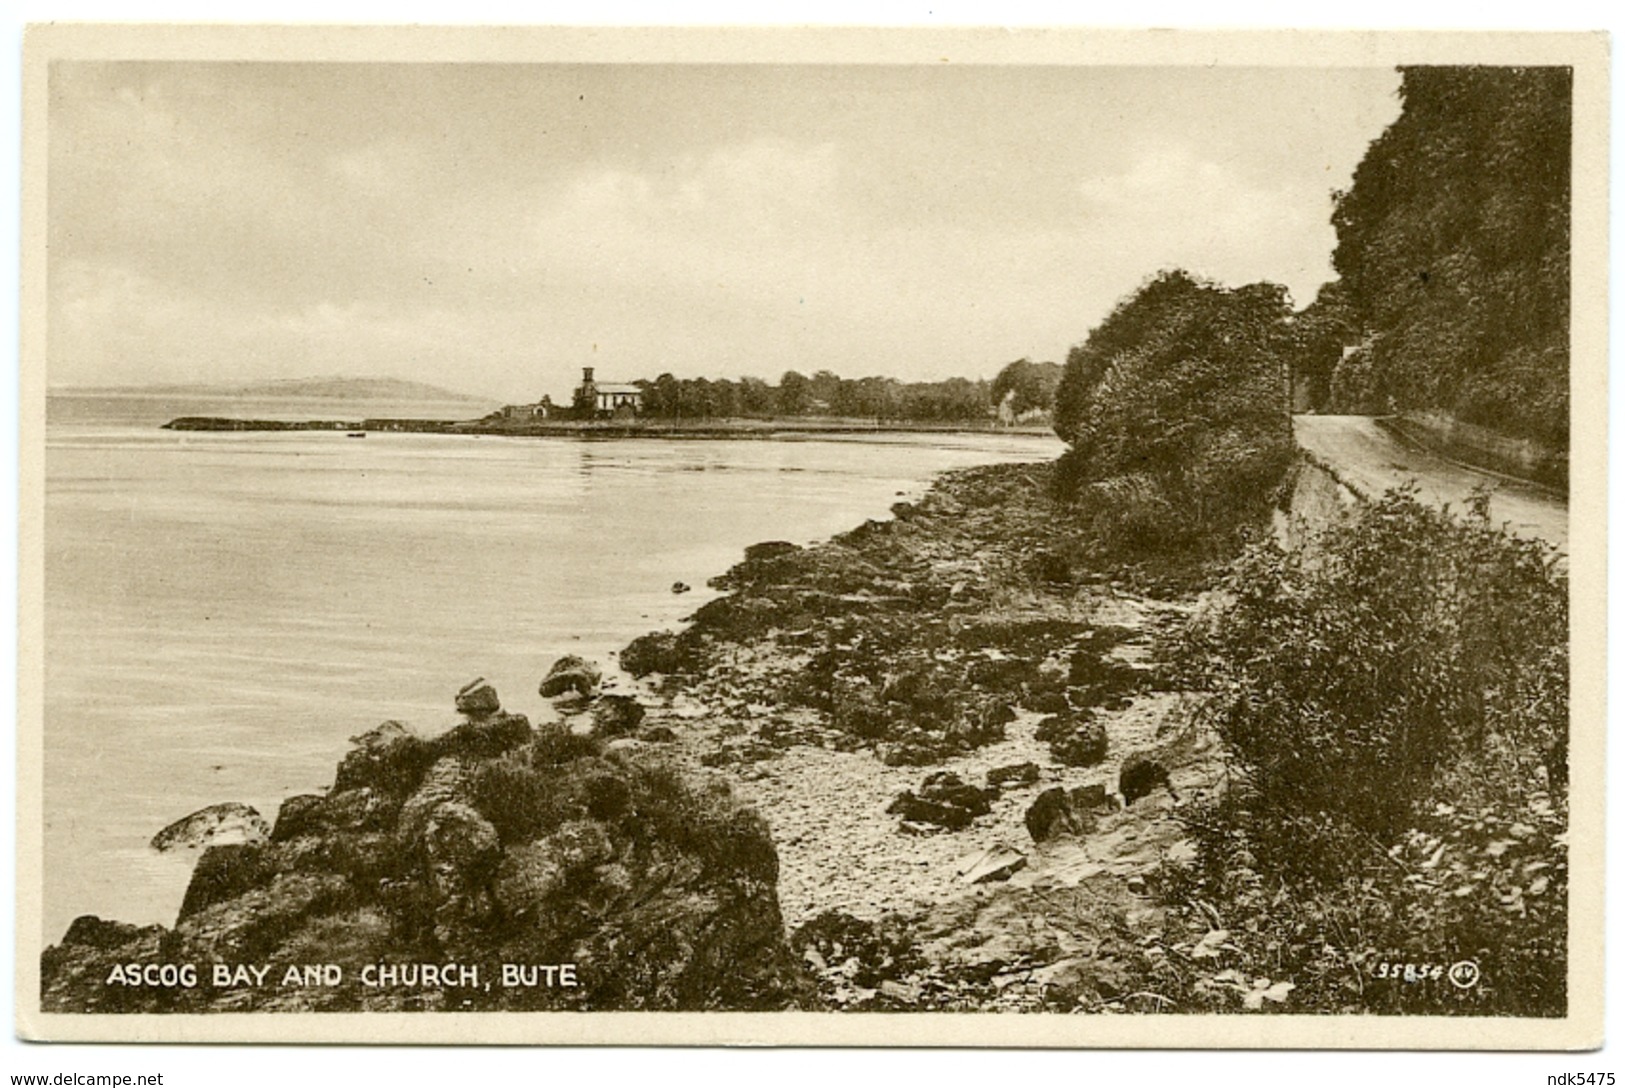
pixel 1175 409
pixel 1028 384
pixel 1453 244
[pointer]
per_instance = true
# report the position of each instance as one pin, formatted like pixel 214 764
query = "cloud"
pixel 513 222
pixel 1177 208
pixel 745 218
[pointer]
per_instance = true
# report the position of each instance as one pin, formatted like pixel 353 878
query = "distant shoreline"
pixel 730 428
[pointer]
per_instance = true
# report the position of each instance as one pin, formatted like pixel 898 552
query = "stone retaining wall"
pixel 1482 447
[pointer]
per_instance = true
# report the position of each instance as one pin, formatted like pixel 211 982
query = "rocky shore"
pixel 958 730
pixel 492 866
pixel 933 763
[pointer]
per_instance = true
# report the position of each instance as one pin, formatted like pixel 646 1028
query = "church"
pixel 607 398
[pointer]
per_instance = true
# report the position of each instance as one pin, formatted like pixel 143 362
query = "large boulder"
pixel 1059 812
pixel 1140 775
pixel 944 800
pixel 571 677
pixel 228 822
pixel 1084 745
pixel 478 699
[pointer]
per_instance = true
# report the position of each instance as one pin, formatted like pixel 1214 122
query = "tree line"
pixel 1027 386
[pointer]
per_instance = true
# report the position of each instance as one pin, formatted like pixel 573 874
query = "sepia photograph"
pixel 1047 539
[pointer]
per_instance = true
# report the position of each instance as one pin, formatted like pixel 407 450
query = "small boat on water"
pixel 357 434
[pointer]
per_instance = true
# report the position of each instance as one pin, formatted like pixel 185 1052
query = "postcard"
pixel 812 537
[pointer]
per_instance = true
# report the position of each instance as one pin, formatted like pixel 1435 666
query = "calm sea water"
pixel 223 610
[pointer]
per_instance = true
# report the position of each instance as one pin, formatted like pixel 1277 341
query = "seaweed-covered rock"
pixel 356 810
pixel 908 754
pixel 1097 679
pixel 531 873
pixel 1139 776
pixel 74 974
pixel 225 872
pixel 657 652
pixel 944 800
pixel 1074 739
pixel 1084 745
pixel 450 779
pixel 460 847
pixel 1014 774
pixel 390 758
pixel 846 952
pixel 1051 702
pixel 481 737
pixel 770 549
pixel 571 676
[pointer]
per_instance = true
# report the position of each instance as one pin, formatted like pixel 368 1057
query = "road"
pixel 1371 460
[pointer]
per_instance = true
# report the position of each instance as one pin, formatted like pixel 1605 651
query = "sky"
pixel 493 228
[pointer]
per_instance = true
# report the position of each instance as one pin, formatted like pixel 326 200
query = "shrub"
pixel 1480 885
pixel 555 746
pixel 1402 657
pixel 1394 699
pixel 521 802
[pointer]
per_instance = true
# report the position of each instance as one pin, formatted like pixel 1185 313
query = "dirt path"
pixel 1371 461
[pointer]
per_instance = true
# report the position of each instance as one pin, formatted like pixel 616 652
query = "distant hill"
pixel 322 388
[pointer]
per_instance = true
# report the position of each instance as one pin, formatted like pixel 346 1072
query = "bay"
pixel 222 611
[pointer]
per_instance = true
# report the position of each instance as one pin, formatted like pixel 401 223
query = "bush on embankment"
pixel 1394 701
pixel 1175 411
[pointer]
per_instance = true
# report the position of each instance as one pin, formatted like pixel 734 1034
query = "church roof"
pixel 616 387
